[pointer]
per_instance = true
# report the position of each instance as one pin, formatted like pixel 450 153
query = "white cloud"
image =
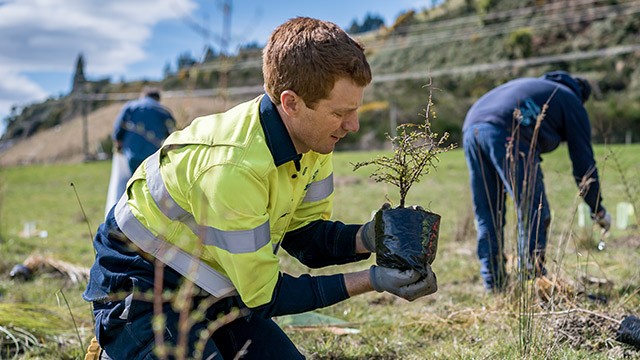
pixel 48 35
pixel 17 90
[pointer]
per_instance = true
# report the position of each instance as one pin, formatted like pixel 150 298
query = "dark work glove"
pixel 368 236
pixel 407 284
pixel 368 233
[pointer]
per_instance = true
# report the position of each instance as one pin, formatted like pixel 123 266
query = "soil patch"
pixel 592 331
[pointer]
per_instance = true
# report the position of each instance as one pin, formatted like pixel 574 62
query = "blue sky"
pixel 135 39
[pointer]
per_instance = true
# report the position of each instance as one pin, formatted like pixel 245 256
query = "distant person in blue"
pixel 141 127
pixel 503 151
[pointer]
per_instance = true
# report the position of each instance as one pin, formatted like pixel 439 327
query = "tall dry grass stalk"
pixel 73 319
pixel 181 299
pixel 534 292
pixel 190 313
pixel 530 288
pixel 523 203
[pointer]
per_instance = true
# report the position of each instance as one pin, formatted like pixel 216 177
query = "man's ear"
pixel 291 102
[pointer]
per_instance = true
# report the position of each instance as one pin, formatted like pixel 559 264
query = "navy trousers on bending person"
pixel 125 330
pixel 494 171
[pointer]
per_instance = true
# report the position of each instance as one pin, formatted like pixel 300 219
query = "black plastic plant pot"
pixel 629 331
pixel 406 238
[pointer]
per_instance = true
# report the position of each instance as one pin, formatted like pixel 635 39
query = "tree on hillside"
pixel 209 54
pixel 250 46
pixel 370 23
pixel 185 60
pixel 166 71
pixel 78 76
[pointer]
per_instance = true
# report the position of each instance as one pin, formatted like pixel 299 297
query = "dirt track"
pixel 64 143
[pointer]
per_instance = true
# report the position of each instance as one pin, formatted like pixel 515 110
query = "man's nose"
pixel 351 123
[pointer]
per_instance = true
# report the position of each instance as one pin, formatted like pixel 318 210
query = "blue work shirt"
pixel 141 127
pixel 565 120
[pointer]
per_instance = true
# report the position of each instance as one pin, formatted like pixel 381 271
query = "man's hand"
pixel 603 218
pixel 368 232
pixel 407 284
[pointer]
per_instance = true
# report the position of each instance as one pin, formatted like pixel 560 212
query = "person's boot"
pixel 93 350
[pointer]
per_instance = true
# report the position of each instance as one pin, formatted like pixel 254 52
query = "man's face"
pixel 332 119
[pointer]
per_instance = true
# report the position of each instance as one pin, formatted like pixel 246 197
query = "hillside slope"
pixel 468 47
pixel 64 143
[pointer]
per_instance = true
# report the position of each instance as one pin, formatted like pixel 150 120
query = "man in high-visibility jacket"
pixel 222 196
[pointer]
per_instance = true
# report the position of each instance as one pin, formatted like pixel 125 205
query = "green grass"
pixel 460 321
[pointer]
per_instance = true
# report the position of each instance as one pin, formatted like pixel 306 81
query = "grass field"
pixel 49 320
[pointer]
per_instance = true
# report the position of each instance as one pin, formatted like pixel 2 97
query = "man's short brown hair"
pixel 308 56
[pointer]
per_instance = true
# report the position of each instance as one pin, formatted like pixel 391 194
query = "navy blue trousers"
pixel 124 330
pixel 498 167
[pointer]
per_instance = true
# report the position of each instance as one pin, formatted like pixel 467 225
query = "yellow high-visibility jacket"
pixel 215 202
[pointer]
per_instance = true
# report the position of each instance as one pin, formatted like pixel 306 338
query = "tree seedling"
pixel 407 237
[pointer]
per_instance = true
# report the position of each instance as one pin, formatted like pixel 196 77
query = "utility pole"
pixel 85 121
pixel 202 28
pixel 224 51
pixel 226 26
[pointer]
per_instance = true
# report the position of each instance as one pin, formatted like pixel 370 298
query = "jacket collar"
pixel 276 134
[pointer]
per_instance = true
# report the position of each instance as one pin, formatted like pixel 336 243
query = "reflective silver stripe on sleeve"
pixel 184 263
pixel 319 190
pixel 235 242
pixel 159 192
